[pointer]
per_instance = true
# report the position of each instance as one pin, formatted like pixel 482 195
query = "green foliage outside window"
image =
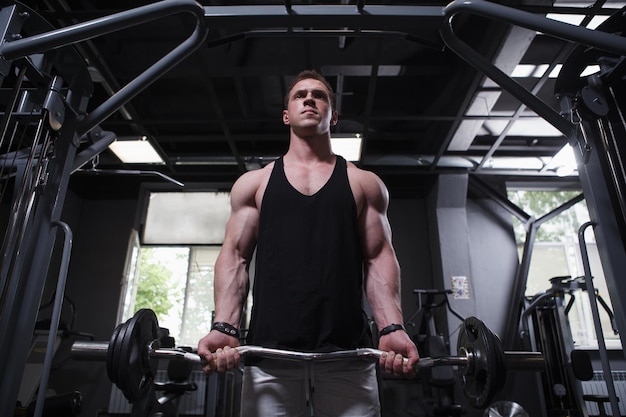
pixel 156 289
pixel 176 282
pixel 540 203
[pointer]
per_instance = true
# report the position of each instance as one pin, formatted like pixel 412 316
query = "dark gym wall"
pixel 494 260
pixel 472 237
pixel 410 240
pixel 101 229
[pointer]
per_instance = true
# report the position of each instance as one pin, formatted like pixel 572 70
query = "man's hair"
pixel 306 74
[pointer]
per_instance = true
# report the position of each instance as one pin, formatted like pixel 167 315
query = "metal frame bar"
pixel 97 27
pixel 593 38
pixel 517 297
pixel 581 35
pixel 595 312
pixel 56 317
pixel 27 279
pixel 606 230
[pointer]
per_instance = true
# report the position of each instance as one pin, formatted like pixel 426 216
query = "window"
pixel 556 252
pixel 170 265
pixel 192 218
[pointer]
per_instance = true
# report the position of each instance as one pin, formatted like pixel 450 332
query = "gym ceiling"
pixel 420 108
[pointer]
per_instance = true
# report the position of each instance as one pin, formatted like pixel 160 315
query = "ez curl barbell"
pixel 134 349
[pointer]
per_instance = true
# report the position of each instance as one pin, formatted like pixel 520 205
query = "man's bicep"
pixel 241 231
pixel 241 228
pixel 375 227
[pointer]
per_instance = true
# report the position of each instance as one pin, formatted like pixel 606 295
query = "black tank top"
pixel 308 275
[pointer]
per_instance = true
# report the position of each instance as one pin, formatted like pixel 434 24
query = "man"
pixel 319 226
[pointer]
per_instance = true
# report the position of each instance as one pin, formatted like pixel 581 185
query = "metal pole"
pixel 591 291
pixel 56 316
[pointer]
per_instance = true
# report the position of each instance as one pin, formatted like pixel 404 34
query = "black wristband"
pixel 228 329
pixel 391 328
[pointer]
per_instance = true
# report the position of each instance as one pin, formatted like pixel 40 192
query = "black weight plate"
pixel 137 369
pixel 111 353
pixel 500 370
pixel 125 339
pixel 483 376
pixel 501 357
pixel 118 361
pixel 118 367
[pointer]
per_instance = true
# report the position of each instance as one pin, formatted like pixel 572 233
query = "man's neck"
pixel 313 149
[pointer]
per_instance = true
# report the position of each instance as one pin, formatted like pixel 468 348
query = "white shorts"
pixel 281 388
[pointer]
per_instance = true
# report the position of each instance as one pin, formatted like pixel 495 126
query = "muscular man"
pixel 320 229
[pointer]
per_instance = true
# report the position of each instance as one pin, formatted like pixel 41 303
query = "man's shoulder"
pixel 366 184
pixel 362 176
pixel 251 182
pixel 256 175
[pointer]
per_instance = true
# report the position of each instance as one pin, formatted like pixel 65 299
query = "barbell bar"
pixel 86 350
pixel 134 350
pixel 97 351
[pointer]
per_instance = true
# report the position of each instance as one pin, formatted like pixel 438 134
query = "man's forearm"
pixel 383 293
pixel 231 290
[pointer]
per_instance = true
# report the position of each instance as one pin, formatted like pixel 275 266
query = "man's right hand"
pixel 218 352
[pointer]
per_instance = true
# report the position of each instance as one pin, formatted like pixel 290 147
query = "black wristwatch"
pixel 391 328
pixel 226 328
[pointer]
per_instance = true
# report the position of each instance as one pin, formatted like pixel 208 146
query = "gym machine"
pixel 46 135
pixel 439 382
pixel 545 327
pixel 592 118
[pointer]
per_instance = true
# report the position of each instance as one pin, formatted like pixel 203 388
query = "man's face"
pixel 309 110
